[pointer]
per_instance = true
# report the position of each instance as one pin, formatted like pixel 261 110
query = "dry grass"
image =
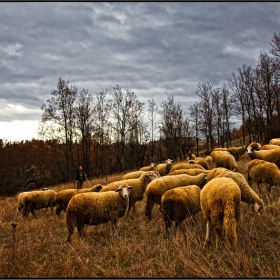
pixel 37 248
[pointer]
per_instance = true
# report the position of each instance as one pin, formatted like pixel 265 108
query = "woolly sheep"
pixel 178 204
pixel 186 165
pixel 209 161
pixel 248 195
pixel 139 185
pixel 191 171
pixel 268 155
pixel 220 205
pixel 158 187
pixel 254 146
pixel 224 159
pixel 237 152
pixel 151 167
pixel 133 175
pixel 164 168
pixel 37 200
pixel 63 197
pixel 201 162
pixel 275 141
pixel 97 208
pixel 190 156
pixel 21 200
pixel 261 171
pixel 269 147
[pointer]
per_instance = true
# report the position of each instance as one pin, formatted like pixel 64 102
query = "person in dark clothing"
pixel 80 176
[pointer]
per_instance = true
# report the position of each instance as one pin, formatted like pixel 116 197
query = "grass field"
pixel 37 248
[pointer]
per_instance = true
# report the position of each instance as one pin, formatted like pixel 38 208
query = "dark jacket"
pixel 80 175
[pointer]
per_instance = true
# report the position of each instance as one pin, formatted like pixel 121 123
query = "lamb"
pixel 186 165
pixel 63 197
pixel 190 156
pixel 191 171
pixel 164 168
pixel 248 195
pixel 97 208
pixel 224 159
pixel 151 167
pixel 268 155
pixel 139 185
pixel 178 204
pixel 237 151
pixel 261 171
pixel 220 204
pixel 158 187
pixel 269 147
pixel 275 141
pixel 37 200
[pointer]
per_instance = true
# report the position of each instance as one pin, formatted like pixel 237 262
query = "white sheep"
pixel 248 195
pixel 164 168
pixel 237 152
pixel 191 171
pixel 133 175
pixel 150 167
pixel 37 200
pixel 275 141
pixel 63 197
pixel 268 155
pixel 97 208
pixel 224 159
pixel 186 165
pixel 158 187
pixel 178 204
pixel 261 171
pixel 220 205
pixel 139 185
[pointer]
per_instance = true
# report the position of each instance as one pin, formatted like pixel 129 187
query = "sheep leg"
pixel 149 207
pixel 268 188
pixel 168 224
pixel 207 232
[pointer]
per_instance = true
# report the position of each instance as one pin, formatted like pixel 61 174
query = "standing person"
pixel 80 176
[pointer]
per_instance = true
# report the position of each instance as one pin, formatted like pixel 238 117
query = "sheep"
pixel 224 159
pixel 220 205
pixel 133 175
pixel 269 147
pixel 191 171
pixel 248 195
pixel 63 197
pixel 275 141
pixel 178 204
pixel 21 200
pixel 209 161
pixel 268 155
pixel 237 151
pixel 158 187
pixel 254 146
pixel 201 162
pixel 151 167
pixel 261 171
pixel 164 168
pixel 186 165
pixel 97 208
pixel 139 185
pixel 190 156
pixel 37 200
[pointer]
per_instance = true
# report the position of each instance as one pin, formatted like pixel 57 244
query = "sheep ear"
pixel 118 189
pixel 130 187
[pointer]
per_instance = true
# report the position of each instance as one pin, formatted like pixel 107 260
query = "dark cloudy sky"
pixel 147 47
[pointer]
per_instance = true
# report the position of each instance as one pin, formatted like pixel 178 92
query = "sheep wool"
pixel 267 155
pixel 275 141
pixel 96 208
pixel 158 187
pixel 237 152
pixel 269 147
pixel 178 204
pixel 192 171
pixel 133 175
pixel 63 197
pixel 186 165
pixel 224 159
pixel 248 195
pixel 164 168
pixel 150 167
pixel 220 204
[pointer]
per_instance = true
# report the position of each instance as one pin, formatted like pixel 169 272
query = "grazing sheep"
pixel 269 147
pixel 164 168
pixel 224 159
pixel 248 195
pixel 190 156
pixel 209 161
pixel 158 187
pixel 191 171
pixel 21 200
pixel 63 197
pixel 268 155
pixel 186 165
pixel 261 171
pixel 220 205
pixel 151 167
pixel 97 208
pixel 201 162
pixel 37 200
pixel 178 204
pixel 133 175
pixel 237 152
pixel 219 149
pixel 254 146
pixel 139 185
pixel 275 141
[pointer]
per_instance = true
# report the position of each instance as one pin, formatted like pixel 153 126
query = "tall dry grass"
pixel 37 248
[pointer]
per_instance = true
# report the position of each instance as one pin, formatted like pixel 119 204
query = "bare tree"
pixel 152 114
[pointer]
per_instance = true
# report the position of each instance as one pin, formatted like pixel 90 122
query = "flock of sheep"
pixel 212 185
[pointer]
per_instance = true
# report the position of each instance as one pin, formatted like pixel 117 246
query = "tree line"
pixel 113 132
